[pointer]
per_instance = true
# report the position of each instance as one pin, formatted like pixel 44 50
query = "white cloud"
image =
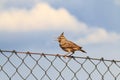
pixel 100 35
pixel 44 17
pixel 40 17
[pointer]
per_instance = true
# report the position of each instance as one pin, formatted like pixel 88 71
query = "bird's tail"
pixel 83 51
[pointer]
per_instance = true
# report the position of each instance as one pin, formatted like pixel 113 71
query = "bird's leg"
pixel 66 54
pixel 71 54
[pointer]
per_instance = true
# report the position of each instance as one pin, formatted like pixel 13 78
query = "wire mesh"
pixel 39 66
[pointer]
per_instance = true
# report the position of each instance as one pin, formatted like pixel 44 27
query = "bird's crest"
pixel 62 33
pixel 61 37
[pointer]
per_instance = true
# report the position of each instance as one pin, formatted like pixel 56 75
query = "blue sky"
pixel 33 25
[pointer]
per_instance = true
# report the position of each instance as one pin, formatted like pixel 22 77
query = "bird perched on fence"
pixel 68 46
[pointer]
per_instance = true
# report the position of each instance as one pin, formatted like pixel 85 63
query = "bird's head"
pixel 61 37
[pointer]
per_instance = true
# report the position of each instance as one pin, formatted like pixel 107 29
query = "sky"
pixel 34 25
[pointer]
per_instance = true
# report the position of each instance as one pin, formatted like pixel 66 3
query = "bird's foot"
pixel 65 56
pixel 71 56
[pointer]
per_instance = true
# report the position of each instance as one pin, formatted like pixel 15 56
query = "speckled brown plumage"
pixel 68 46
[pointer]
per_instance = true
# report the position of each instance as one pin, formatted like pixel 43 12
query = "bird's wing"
pixel 70 44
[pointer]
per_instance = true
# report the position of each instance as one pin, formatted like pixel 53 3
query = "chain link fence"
pixel 38 66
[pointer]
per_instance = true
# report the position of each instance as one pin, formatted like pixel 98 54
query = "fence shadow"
pixel 39 66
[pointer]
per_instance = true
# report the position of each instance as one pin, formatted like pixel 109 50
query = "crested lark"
pixel 68 46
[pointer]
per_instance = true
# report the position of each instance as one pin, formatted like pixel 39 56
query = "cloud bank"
pixel 40 17
pixel 44 17
pixel 100 35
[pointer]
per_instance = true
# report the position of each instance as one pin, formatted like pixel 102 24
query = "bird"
pixel 68 46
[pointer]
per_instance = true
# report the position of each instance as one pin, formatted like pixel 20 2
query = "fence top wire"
pixel 57 55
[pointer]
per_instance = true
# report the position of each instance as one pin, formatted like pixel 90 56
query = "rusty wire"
pixel 40 66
